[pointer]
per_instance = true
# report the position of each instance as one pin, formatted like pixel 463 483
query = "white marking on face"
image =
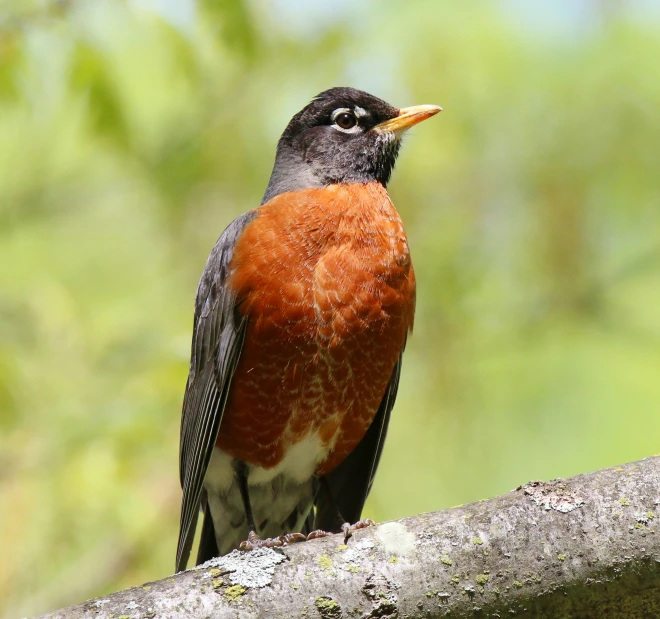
pixel 338 111
pixel 360 112
pixel 345 110
pixel 388 138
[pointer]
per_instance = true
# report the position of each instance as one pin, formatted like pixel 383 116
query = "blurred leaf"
pixel 234 22
pixel 90 75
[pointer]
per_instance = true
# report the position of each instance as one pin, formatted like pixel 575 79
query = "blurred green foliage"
pixel 132 132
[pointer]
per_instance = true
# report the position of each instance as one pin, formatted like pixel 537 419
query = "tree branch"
pixel 577 548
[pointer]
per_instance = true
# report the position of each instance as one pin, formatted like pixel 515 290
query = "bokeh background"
pixel 132 132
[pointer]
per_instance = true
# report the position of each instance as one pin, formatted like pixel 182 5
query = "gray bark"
pixel 576 548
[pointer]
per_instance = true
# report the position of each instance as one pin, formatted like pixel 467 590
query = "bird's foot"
pixel 254 541
pixel 348 529
pixel 317 534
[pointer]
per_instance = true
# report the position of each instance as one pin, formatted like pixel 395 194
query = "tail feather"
pixel 208 547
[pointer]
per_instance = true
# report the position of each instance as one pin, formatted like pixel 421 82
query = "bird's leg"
pixel 240 468
pixel 346 527
pixel 254 541
pixel 318 533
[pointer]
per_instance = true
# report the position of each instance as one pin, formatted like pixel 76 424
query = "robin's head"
pixel 343 136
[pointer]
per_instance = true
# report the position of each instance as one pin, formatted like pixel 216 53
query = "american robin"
pixel 301 318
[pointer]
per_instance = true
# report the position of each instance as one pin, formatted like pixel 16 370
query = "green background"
pixel 132 132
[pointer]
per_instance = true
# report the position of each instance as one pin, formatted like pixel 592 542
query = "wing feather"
pixel 218 334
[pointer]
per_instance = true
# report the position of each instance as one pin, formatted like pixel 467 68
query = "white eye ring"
pixel 344 110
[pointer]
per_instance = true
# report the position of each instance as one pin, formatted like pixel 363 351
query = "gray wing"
pixel 349 484
pixel 218 333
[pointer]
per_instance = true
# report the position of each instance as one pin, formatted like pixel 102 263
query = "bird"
pixel 301 318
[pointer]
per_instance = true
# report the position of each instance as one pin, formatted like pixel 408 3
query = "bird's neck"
pixel 290 173
pixel 294 172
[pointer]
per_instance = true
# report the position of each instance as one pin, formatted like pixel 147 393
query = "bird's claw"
pixel 293 538
pixel 319 533
pixel 348 529
pixel 254 541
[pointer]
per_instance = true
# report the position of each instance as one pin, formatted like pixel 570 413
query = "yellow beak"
pixel 408 116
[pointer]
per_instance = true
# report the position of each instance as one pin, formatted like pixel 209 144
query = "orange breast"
pixel 329 289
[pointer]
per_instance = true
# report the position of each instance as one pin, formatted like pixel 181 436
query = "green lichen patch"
pixel 325 562
pixel 328 608
pixel 393 559
pixel 624 502
pixel 477 541
pixel 342 547
pixel 446 560
pixel 215 572
pixel 217 583
pixel 235 593
pixel 561 557
pixel 644 518
pixel 482 579
pixel 517 584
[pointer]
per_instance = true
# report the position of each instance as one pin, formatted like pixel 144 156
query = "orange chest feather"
pixel 312 256
pixel 326 279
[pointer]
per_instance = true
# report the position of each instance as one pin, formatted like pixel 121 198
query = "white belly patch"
pixel 280 497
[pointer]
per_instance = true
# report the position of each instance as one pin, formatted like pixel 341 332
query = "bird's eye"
pixel 345 120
